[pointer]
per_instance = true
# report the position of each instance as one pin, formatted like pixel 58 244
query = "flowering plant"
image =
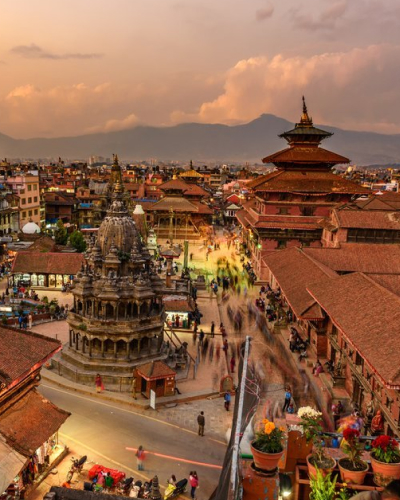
pixel 311 422
pixel 352 446
pixel 386 449
pixel 269 438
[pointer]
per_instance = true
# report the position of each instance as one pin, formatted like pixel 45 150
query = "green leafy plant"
pixel 82 326
pixel 386 449
pixel 60 233
pixel 270 438
pixel 77 241
pixel 323 487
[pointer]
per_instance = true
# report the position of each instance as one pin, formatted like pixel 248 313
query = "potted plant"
pixel 267 448
pixel 311 423
pixel 323 486
pixel 385 460
pixel 352 469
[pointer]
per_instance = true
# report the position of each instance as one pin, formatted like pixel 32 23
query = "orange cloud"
pixel 354 89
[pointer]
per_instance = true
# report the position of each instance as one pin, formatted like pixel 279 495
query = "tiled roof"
pixel 155 370
pixel 369 316
pixel 293 181
pixel 366 258
pixel 47 263
pixel 190 173
pixel 188 188
pixel 43 244
pixel 378 203
pixel 367 219
pixel 20 351
pixel 177 203
pixel 389 281
pixel 305 155
pixel 293 271
pixel 178 306
pixel 29 422
pixel 248 218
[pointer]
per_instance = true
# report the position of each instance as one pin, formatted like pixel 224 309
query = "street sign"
pixel 152 399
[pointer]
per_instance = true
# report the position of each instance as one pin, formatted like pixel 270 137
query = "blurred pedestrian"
pixel 227 400
pixel 99 383
pixel 140 457
pixel 212 329
pixel 233 364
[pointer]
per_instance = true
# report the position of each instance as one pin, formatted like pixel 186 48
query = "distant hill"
pixel 202 142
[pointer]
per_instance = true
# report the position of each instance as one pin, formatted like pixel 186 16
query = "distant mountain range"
pixel 203 143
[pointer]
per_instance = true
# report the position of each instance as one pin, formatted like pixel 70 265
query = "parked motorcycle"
pixel 76 467
pixel 173 491
pixel 124 487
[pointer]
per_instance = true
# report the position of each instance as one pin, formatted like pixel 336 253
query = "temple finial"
pixel 304 106
pixel 305 119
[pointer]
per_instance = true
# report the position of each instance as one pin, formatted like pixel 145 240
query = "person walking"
pixel 202 422
pixel 134 386
pixel 140 457
pixel 201 338
pixel 227 400
pixel 212 329
pixel 30 320
pixel 288 397
pixel 194 483
pixel 99 383
pixel 233 364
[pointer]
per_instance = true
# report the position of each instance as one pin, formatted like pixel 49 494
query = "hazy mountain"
pixel 202 142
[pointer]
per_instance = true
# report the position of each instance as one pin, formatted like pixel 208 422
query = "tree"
pixel 60 233
pixel 77 241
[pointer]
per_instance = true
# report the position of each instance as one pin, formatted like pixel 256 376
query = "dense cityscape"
pixel 199 250
pixel 142 288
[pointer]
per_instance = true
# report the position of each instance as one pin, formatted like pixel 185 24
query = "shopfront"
pixel 32 442
pixel 35 468
pixel 49 270
pixel 179 313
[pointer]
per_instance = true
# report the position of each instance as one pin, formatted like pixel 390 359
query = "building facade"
pixel 289 203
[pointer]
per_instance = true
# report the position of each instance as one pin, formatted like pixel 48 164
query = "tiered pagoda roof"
pixel 304 151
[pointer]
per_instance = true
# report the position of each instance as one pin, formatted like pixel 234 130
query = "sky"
pixel 84 66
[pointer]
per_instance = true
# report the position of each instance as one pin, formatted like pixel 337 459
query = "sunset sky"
pixel 82 66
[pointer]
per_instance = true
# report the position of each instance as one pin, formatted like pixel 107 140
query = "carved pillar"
pixel 77 341
pixel 138 346
pixel 116 311
pixel 70 338
pixel 102 348
pixel 115 349
pixel 83 344
pixel 90 348
pixel 128 350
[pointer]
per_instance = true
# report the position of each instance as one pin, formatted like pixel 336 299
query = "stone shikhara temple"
pixel 117 319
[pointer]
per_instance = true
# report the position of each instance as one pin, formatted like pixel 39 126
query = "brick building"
pixel 289 203
pixel 349 319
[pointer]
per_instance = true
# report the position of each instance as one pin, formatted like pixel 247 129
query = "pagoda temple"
pixel 289 203
pixel 117 319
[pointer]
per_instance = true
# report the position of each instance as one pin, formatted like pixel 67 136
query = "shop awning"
pixel 28 423
pixel 11 463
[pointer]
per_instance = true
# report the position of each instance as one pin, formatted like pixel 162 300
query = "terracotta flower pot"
pixel 265 461
pixel 383 472
pixel 352 476
pixel 312 470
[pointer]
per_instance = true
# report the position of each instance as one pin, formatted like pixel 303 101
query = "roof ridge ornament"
pixel 305 118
